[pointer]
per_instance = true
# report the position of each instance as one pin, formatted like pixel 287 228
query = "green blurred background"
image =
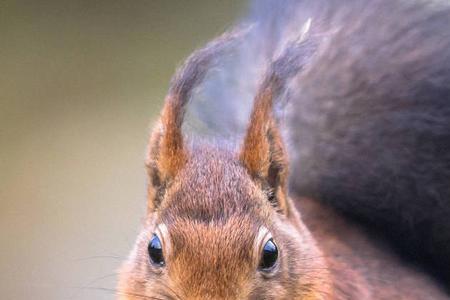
pixel 80 84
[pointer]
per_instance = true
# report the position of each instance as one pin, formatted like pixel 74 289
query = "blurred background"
pixel 80 84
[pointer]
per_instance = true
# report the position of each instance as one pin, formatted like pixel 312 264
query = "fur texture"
pixel 364 106
pixel 366 86
pixel 369 121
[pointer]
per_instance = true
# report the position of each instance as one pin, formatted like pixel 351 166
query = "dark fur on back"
pixel 369 119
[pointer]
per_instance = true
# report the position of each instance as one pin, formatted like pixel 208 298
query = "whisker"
pixel 117 292
pixel 99 257
pixel 177 296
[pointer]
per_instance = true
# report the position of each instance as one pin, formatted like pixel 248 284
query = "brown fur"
pixel 263 152
pixel 213 211
pixel 210 205
pixel 166 153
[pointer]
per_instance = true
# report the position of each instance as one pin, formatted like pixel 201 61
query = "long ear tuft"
pixel 263 152
pixel 166 153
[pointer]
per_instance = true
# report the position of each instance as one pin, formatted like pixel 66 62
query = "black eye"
pixel 269 256
pixel 155 251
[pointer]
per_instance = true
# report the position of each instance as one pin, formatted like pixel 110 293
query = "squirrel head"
pixel 220 224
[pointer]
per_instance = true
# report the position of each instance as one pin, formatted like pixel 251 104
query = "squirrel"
pixel 346 197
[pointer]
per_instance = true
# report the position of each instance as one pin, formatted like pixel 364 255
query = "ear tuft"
pixel 263 152
pixel 255 154
pixel 166 153
pixel 172 155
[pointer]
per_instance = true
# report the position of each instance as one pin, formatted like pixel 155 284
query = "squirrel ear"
pixel 263 152
pixel 166 154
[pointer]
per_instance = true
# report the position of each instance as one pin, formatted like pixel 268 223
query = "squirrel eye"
pixel 269 256
pixel 155 251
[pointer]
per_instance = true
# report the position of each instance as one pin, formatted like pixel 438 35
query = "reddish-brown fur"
pixel 263 152
pixel 213 210
pixel 209 205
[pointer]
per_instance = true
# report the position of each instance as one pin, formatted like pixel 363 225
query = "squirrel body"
pixel 367 126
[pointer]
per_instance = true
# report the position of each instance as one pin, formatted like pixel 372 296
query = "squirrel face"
pixel 216 235
pixel 220 225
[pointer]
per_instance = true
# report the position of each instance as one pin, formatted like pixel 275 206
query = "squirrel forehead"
pixel 199 250
pixel 215 238
pixel 213 186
